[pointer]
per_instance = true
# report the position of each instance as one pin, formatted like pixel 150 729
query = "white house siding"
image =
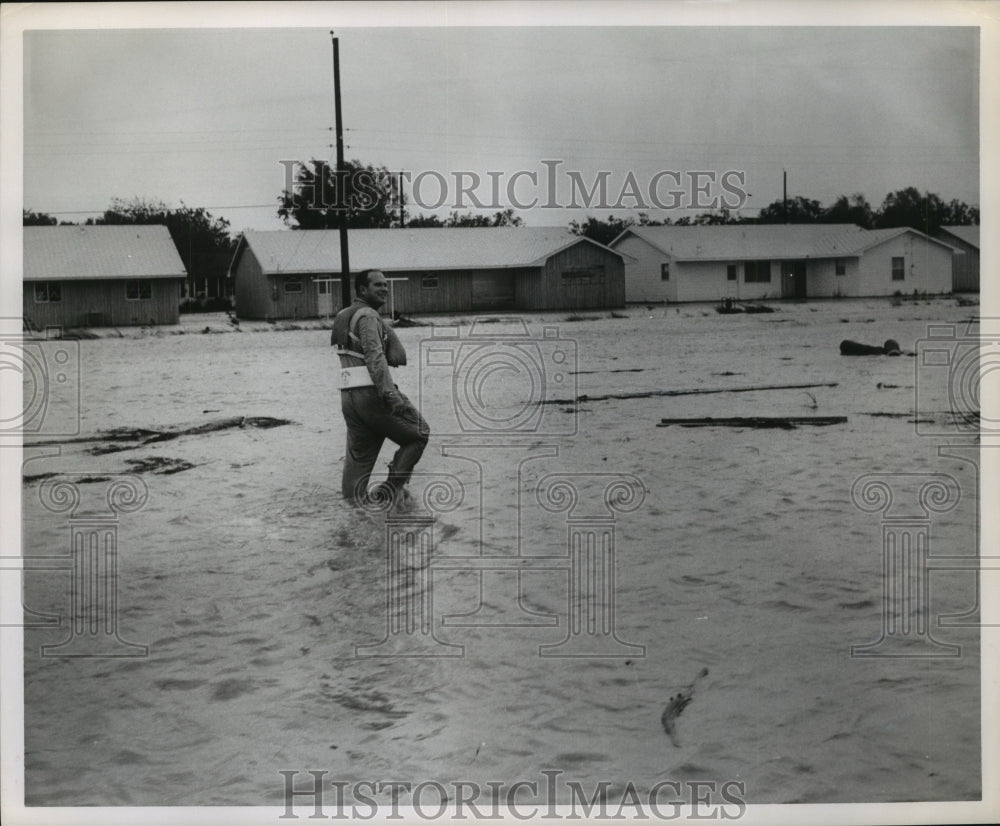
pixel 965 261
pixel 822 279
pixel 965 267
pixel 823 282
pixel 708 281
pixel 927 267
pixel 642 276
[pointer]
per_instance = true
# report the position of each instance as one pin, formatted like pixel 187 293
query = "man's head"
pixel 372 288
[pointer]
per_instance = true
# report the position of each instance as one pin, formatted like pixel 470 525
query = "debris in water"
pixel 759 422
pixel 162 465
pixel 129 438
pixel 678 702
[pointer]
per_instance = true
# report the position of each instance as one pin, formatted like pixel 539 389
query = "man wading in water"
pixel 373 407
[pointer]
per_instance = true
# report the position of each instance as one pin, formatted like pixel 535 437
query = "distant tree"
pixel 716 217
pixel 800 211
pixel 506 218
pixel 959 212
pixel 926 211
pixel 372 193
pixel 37 219
pixel 424 221
pixel 853 210
pixel 646 221
pixel 468 219
pixel 911 208
pixel 604 232
pixel 202 241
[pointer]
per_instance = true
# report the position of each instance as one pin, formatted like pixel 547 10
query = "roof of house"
pixel 746 241
pixel 735 242
pixel 394 250
pixel 76 253
pixel 873 237
pixel 968 234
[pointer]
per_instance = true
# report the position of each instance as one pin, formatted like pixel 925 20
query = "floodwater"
pixel 282 635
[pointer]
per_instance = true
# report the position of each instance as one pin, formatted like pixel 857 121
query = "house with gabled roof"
pixel 772 261
pixel 296 273
pixel 101 276
pixel 964 264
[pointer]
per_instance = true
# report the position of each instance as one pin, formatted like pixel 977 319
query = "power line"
pixel 102 210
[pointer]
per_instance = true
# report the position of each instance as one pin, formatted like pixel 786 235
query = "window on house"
pixel 429 282
pixel 898 268
pixel 47 292
pixel 731 272
pixel 136 290
pixel 665 271
pixel 583 275
pixel 840 266
pixel 293 285
pixel 323 287
pixel 757 272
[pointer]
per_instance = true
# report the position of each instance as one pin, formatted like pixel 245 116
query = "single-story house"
pixel 101 276
pixel 296 273
pixel 964 267
pixel 761 261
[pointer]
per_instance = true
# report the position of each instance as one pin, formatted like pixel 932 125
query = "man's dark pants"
pixel 370 422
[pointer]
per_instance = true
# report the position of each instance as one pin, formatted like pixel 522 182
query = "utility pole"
pixel 343 195
pixel 402 214
pixel 784 195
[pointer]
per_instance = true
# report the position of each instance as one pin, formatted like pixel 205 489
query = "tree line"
pixel 206 244
pixel 923 211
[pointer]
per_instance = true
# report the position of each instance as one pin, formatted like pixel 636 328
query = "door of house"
pixel 324 300
pixel 492 291
pixel 793 279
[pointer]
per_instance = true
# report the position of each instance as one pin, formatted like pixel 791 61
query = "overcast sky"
pixel 206 116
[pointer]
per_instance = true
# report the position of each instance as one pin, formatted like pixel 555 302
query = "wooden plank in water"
pixel 648 394
pixel 783 422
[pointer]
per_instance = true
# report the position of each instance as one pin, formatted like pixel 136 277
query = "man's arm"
pixel 367 330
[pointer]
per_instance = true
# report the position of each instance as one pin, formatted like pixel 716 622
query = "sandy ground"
pixel 252 583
